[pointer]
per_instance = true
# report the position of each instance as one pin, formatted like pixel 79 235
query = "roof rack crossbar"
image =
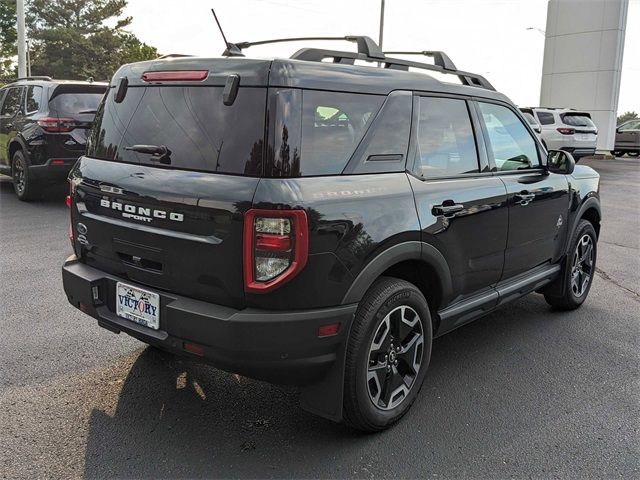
pixel 439 58
pixel 319 55
pixel 35 77
pixel 366 45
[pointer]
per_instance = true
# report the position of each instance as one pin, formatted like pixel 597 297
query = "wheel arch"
pixel 14 145
pixel 417 262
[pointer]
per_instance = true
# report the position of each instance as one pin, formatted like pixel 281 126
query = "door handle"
pixel 448 208
pixel 524 198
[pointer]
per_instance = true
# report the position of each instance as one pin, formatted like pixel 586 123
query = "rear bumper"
pixel 579 152
pixel 52 170
pixel 276 346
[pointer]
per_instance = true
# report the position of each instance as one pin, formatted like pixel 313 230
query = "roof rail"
pixel 439 58
pixel 173 55
pixel 443 64
pixel 41 77
pixel 366 45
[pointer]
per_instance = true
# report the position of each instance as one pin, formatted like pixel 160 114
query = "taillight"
pixel 56 125
pixel 566 131
pixel 69 202
pixel 275 244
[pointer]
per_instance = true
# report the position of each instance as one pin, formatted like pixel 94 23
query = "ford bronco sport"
pixel 316 222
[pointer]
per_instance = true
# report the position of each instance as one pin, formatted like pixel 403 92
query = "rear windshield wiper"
pixel 87 112
pixel 159 153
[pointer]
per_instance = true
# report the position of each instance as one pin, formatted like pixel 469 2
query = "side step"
pixel 471 308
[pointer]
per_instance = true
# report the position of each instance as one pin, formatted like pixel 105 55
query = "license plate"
pixel 137 305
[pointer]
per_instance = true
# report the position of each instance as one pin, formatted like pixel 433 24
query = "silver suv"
pixel 566 129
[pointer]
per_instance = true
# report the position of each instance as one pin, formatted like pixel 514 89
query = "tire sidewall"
pixel 19 157
pixel 403 296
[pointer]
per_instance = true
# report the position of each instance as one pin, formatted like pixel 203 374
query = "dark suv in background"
pixel 43 125
pixel 317 222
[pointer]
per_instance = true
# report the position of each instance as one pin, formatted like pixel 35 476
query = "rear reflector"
pixel 193 348
pixel 328 330
pixel 57 162
pixel 176 76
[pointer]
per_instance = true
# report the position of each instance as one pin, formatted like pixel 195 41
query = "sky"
pixel 499 39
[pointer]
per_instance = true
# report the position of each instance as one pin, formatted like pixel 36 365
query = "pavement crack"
pixel 607 277
pixel 619 245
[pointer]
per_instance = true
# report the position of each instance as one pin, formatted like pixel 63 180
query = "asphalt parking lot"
pixel 524 392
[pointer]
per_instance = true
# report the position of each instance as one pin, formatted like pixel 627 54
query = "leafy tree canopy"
pixel 73 39
pixel 8 37
pixel 627 116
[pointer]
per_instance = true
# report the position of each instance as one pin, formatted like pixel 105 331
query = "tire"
pixel 633 154
pixel 616 153
pixel 578 270
pixel 379 391
pixel 23 184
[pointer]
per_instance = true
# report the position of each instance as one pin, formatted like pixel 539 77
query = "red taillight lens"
pixel 276 244
pixel 56 125
pixel 176 76
pixel 566 131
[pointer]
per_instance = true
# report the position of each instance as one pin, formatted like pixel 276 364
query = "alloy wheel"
pixel 19 176
pixel 395 356
pixel 582 268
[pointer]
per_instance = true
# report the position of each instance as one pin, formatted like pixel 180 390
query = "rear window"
pixel 577 120
pixel 69 100
pixel 316 132
pixel 200 132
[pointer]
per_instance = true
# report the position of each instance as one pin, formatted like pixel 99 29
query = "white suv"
pixel 566 129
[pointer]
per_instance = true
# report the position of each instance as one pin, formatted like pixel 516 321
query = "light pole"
pixel 22 44
pixel 381 24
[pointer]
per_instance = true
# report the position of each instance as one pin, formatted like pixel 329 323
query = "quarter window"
pixel 512 146
pixel 11 104
pixel 445 141
pixel 33 98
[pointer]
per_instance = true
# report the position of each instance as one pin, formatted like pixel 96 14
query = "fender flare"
pixel 589 202
pixel 23 147
pixel 413 250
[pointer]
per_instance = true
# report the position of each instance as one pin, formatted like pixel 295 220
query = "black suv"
pixel 43 125
pixel 316 222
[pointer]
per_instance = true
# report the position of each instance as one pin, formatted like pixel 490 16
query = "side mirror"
pixel 559 161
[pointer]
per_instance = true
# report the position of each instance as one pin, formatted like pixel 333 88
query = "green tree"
pixel 627 116
pixel 73 39
pixel 8 39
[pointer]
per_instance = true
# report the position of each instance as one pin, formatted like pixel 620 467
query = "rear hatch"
pixel 584 128
pixel 173 219
pixel 74 107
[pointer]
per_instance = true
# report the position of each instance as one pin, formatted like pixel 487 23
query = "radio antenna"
pixel 231 49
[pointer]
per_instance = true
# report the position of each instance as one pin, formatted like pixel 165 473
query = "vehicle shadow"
pixel 177 418
pixel 50 194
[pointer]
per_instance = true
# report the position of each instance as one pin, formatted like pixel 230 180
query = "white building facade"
pixel 583 60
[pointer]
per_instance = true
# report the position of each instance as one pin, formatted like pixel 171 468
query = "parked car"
pixel 535 126
pixel 627 139
pixel 566 129
pixel 43 125
pixel 318 222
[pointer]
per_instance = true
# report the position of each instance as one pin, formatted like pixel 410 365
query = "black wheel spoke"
pixel 408 354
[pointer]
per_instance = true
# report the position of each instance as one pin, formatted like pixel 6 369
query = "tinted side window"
pixel 11 104
pixel 545 118
pixel 512 146
pixel 316 132
pixel 445 141
pixel 33 98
